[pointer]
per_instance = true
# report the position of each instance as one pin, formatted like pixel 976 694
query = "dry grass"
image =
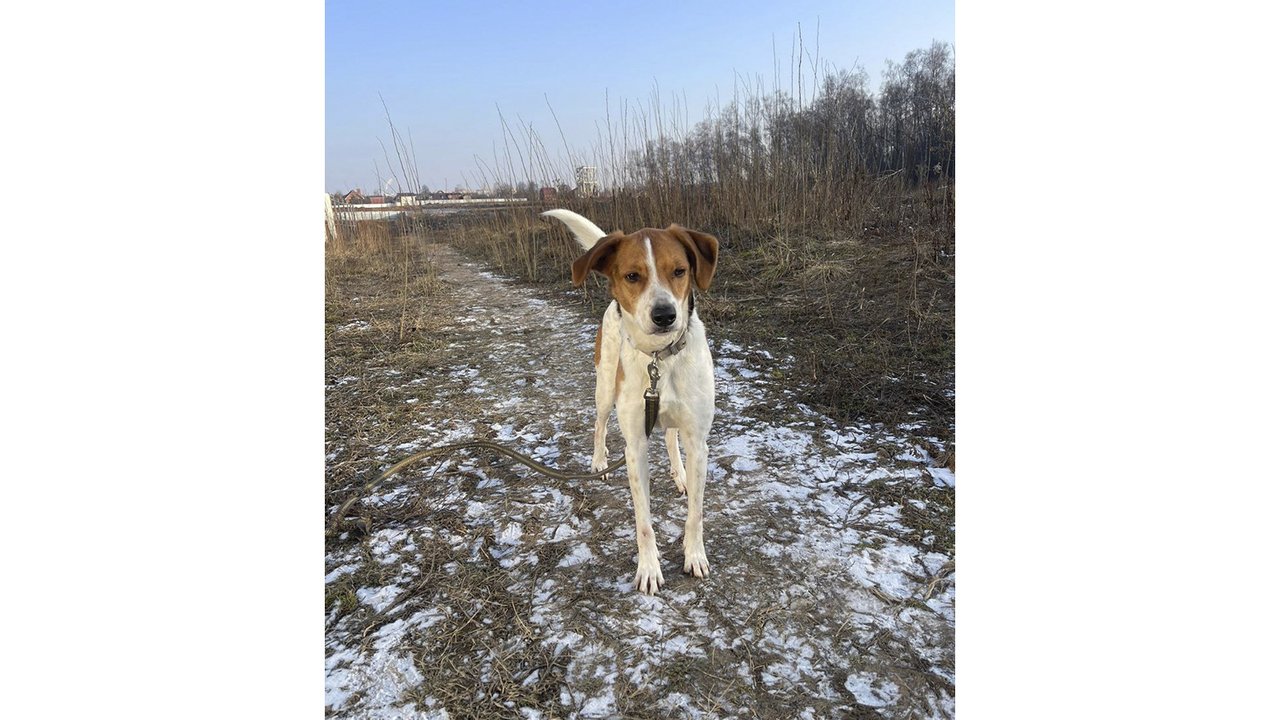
pixel 834 205
pixel 361 265
pixel 867 312
pixel 484 655
pixel 483 658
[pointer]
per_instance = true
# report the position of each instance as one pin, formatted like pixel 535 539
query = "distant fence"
pixel 345 213
pixel 388 213
pixel 429 203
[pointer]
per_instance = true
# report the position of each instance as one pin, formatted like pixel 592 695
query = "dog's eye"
pixel 680 272
pixel 633 277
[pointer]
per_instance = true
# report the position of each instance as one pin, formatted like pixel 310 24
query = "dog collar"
pixel 674 347
pixel 671 349
pixel 667 351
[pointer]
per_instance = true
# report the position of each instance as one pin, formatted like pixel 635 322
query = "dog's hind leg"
pixel 673 451
pixel 608 378
pixel 606 391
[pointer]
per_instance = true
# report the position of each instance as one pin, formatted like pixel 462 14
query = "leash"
pixel 650 419
pixel 651 398
pixel 442 449
pixel 651 392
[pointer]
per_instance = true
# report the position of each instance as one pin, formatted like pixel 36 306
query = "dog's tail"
pixel 583 229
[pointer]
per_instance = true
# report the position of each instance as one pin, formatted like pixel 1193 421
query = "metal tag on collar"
pixel 651 398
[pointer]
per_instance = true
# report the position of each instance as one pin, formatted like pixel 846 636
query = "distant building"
pixel 377 199
pixel 355 197
pixel 404 199
pixel 586 178
pixel 548 194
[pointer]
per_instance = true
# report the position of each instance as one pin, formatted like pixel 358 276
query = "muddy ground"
pixel 472 587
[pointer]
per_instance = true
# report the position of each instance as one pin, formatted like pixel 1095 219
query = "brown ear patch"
pixel 598 258
pixel 703 249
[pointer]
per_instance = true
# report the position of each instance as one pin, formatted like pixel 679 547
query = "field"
pixel 472 587
pixel 467 586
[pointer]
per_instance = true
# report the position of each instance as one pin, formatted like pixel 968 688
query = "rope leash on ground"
pixel 651 404
pixel 442 449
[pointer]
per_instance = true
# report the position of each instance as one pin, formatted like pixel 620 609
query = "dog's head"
pixel 652 274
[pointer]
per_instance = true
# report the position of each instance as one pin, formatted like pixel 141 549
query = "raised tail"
pixel 583 229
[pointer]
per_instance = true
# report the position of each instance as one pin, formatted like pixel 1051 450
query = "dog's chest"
pixel 686 389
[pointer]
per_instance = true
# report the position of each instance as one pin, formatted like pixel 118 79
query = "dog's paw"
pixel 677 474
pixel 648 577
pixel 599 462
pixel 695 561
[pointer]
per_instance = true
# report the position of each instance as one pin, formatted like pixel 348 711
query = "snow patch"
pixel 872 690
pixel 943 477
pixel 578 555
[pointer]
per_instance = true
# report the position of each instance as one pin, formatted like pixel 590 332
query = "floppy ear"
pixel 703 250
pixel 598 258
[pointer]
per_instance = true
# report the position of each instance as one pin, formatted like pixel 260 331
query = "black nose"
pixel 664 315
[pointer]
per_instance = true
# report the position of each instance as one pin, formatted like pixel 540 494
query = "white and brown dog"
pixel 652 274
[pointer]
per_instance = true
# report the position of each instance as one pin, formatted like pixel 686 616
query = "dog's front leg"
pixel 648 569
pixel 695 555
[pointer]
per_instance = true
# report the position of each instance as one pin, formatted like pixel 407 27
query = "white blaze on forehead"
pixel 657 286
pixel 654 293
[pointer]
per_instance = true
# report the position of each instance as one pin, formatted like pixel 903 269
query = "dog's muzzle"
pixel 663 317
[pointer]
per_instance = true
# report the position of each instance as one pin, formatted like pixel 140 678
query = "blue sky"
pixel 444 69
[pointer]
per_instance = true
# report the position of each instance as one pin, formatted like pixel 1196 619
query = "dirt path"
pixel 485 590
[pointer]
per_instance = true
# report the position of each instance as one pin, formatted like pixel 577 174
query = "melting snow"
pixel 807 568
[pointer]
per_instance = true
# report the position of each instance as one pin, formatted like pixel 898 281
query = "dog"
pixel 652 274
